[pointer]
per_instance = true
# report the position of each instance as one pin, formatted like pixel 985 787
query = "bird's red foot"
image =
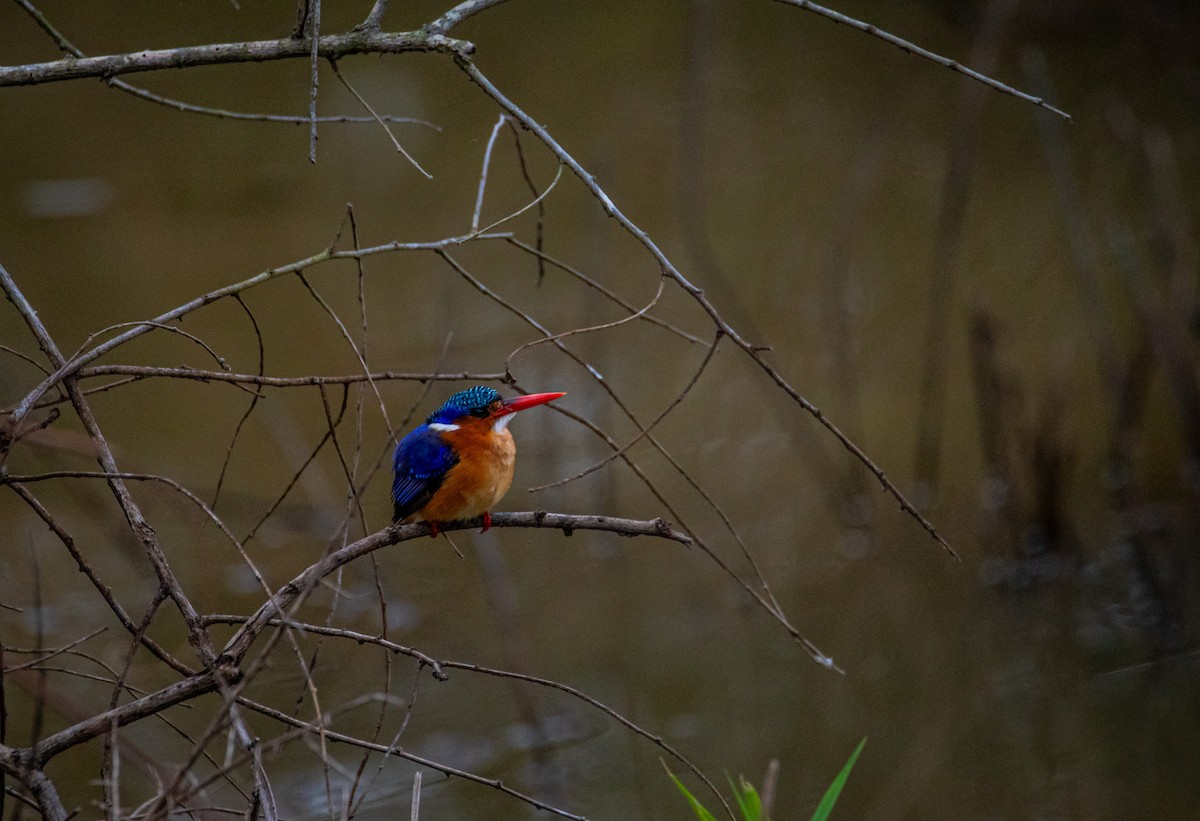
pixel 487 522
pixel 433 530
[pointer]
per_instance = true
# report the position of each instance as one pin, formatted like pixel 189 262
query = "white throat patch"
pixel 442 426
pixel 502 422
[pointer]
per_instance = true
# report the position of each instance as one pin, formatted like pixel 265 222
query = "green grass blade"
pixel 701 813
pixel 749 804
pixel 749 801
pixel 835 789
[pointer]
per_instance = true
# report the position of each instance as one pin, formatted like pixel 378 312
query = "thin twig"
pixel 753 351
pixel 362 100
pixel 83 358
pixel 191 108
pixel 459 13
pixel 914 49
pixel 624 448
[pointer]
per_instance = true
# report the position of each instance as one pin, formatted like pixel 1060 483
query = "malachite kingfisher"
pixel 459 463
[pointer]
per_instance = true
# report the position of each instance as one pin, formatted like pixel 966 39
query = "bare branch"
pixel 494 783
pixel 314 33
pixel 459 13
pixel 225 666
pixel 140 528
pixel 753 351
pixel 330 47
pixel 913 48
pixel 190 108
pixel 363 102
pixel 80 360
pixel 375 17
pixel 147 372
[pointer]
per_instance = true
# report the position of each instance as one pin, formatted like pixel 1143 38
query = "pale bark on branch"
pixel 330 47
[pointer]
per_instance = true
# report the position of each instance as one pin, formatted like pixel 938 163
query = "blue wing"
pixel 420 465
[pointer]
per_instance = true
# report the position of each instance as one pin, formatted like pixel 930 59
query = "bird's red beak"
pixel 520 403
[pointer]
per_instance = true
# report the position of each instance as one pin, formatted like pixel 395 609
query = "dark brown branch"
pixel 330 47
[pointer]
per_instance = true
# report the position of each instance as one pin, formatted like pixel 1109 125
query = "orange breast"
pixel 482 476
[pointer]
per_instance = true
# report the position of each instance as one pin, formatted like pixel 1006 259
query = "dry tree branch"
pixel 190 108
pixel 82 359
pixel 438 669
pixel 256 395
pixel 753 351
pixel 913 48
pixel 375 17
pixel 44 797
pixel 362 100
pixel 604 326
pixel 45 655
pixel 225 671
pixel 148 372
pixel 483 174
pixel 25 357
pixel 359 353
pixel 85 567
pixel 367 38
pixel 494 783
pixel 314 36
pixel 459 13
pixel 674 403
pixel 140 528
pixel 599 287
pixel 329 46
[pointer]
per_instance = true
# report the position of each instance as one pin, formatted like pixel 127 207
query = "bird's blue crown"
pixel 474 401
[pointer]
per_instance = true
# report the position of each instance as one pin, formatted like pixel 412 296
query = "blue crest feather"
pixel 471 401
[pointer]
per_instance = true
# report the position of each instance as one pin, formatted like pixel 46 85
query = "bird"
pixel 459 463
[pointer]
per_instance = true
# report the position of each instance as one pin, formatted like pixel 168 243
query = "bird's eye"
pixel 480 412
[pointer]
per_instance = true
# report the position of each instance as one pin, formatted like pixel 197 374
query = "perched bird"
pixel 460 462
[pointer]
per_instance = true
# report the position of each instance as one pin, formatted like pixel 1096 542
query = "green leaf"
pixel 835 789
pixel 698 808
